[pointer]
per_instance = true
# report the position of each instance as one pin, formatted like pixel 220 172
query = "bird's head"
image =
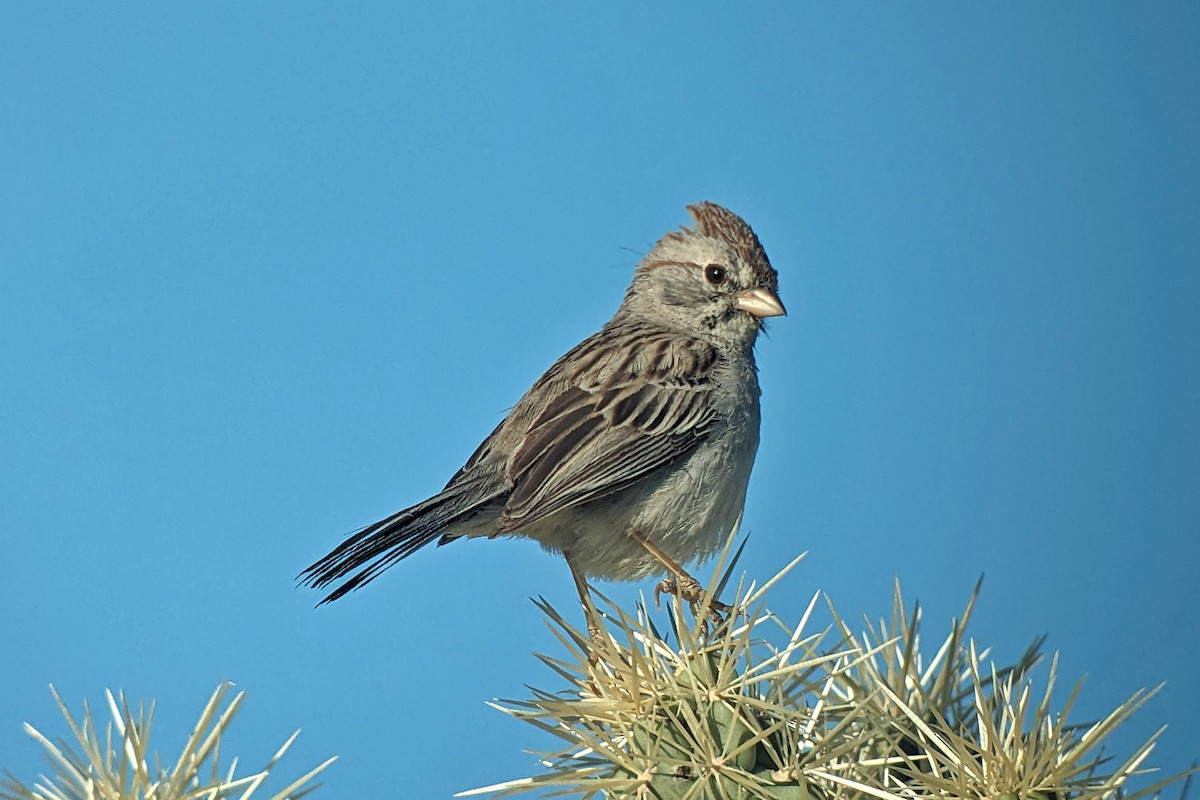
pixel 712 281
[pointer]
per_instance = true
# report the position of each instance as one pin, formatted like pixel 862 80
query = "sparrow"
pixel 630 457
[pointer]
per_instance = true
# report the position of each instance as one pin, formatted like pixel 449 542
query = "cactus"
pixel 756 708
pixel 108 767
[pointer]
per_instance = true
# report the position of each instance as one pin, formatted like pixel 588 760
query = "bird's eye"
pixel 714 274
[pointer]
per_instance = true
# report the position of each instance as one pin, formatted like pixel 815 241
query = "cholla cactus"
pixel 118 766
pixel 761 709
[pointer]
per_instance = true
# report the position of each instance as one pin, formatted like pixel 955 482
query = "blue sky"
pixel 270 272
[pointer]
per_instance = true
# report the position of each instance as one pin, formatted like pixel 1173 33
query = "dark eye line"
pixel 715 274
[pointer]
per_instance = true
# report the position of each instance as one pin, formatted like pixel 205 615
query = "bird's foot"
pixel 596 638
pixel 688 588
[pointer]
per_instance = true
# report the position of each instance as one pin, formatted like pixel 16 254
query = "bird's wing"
pixel 640 403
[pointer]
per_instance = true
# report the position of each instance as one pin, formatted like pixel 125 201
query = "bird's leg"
pixel 589 610
pixel 681 583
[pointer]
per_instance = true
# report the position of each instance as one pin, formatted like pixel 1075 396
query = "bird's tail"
pixel 379 546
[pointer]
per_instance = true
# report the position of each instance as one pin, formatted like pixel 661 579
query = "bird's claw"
pixel 664 586
pixel 689 589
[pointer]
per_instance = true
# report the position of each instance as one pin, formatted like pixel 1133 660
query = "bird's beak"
pixel 760 302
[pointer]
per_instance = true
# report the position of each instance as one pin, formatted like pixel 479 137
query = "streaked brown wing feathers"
pixel 618 419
